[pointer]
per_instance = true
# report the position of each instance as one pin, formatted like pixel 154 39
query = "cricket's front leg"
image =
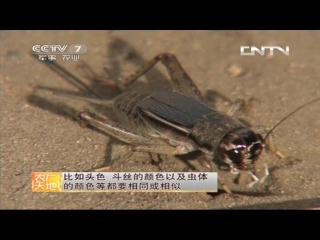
pixel 269 141
pixel 272 147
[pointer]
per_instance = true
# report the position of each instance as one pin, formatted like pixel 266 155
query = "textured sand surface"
pixel 39 131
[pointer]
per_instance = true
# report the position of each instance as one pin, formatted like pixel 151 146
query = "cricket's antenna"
pixel 289 115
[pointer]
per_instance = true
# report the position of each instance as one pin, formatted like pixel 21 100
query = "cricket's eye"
pixel 236 155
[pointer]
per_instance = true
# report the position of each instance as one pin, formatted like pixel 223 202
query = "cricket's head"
pixel 240 148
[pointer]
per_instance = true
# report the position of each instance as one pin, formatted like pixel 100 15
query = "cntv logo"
pixel 262 51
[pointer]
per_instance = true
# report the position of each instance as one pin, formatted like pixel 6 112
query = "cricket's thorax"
pixel 212 128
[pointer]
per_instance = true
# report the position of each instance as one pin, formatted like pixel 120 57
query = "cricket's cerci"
pixel 179 122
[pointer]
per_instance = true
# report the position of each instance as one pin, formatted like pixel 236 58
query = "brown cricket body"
pixel 179 120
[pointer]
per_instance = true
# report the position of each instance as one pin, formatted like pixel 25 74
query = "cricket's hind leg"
pixel 181 82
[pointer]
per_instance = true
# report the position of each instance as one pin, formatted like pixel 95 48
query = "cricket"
pixel 177 122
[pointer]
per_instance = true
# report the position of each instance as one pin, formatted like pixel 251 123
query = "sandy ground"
pixel 39 131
